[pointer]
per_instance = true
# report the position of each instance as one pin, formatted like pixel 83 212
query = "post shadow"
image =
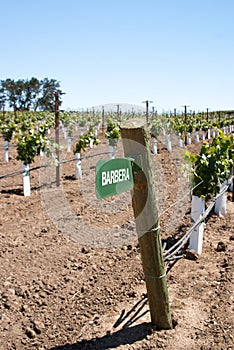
pixel 124 336
pixel 128 334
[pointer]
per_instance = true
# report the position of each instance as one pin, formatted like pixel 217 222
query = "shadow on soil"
pixel 122 337
pixel 20 192
pixel 128 334
pixel 16 191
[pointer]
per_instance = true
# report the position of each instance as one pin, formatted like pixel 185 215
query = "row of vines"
pixel 32 133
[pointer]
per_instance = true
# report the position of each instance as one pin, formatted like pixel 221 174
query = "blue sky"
pixel 174 52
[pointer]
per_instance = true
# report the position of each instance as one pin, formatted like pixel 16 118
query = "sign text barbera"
pixel 113 176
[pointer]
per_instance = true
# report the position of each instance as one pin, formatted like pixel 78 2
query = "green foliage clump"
pixel 84 141
pixel 29 134
pixel 30 142
pixel 212 166
pixel 113 133
pixel 155 128
pixel 179 127
pixel 7 129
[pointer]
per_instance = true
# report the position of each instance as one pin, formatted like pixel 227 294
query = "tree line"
pixel 29 94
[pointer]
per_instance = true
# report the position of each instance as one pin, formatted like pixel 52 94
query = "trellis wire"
pixel 170 253
pixel 58 163
pixel 181 199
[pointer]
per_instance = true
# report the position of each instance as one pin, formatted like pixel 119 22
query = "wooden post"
pixel 103 120
pixel 233 185
pixel 57 137
pixel 136 145
pixel 147 111
pixel 118 112
pixel 185 122
pixel 207 115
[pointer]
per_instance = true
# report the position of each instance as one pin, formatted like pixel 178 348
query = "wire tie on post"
pixel 152 230
pixel 157 277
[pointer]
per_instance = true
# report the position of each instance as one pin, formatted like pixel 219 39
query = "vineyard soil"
pixel 71 274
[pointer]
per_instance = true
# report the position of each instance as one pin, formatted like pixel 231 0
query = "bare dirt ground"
pixel 71 274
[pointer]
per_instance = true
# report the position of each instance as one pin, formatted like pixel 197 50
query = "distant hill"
pixel 123 107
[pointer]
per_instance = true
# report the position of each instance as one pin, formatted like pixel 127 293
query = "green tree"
pixel 48 88
pixel 10 89
pixel 29 94
pixel 2 98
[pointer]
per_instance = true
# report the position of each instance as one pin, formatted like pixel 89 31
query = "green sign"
pixel 113 176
